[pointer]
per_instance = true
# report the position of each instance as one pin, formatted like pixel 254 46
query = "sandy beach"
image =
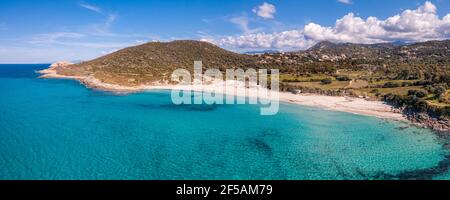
pixel 335 103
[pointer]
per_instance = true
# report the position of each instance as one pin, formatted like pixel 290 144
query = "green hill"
pixel 156 61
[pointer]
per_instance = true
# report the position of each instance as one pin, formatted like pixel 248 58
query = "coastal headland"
pixel 382 80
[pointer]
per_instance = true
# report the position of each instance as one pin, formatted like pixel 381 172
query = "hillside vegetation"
pixel 414 76
pixel 156 61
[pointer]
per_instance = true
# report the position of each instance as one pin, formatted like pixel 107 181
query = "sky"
pixel 45 31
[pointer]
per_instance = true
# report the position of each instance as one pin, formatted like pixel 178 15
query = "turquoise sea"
pixel 58 129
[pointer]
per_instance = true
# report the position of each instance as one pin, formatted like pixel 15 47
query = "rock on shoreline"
pixel 426 121
pixel 52 69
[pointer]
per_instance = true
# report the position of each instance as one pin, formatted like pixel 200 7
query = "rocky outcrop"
pixel 54 66
pixel 425 120
pixel 60 64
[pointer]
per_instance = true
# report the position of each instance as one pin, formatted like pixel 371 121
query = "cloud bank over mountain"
pixel 421 24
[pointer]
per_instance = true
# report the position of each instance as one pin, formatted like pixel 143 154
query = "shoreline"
pixel 352 105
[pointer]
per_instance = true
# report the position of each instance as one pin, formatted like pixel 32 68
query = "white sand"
pixel 343 104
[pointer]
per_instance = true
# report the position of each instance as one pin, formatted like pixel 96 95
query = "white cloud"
pixel 91 7
pixel 421 24
pixel 75 40
pixel 345 1
pixel 243 23
pixel 265 11
pixel 97 45
pixel 284 40
pixel 102 29
pixel 348 29
pixel 54 37
pixel 87 32
pixel 99 28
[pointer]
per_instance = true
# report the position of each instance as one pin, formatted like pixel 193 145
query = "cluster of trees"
pixel 439 90
pixel 418 71
pixel 417 93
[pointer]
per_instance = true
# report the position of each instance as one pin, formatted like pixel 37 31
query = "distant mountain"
pixel 327 56
pixel 338 51
pixel 401 43
pixel 345 47
pixel 261 52
pixel 324 45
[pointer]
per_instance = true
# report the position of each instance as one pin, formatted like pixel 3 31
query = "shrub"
pixel 422 82
pixel 343 78
pixel 439 91
pixel 417 93
pixel 406 84
pixel 393 99
pixel 391 85
pixel 420 106
pixel 326 81
pixel 442 100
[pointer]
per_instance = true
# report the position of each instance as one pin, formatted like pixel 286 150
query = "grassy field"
pixel 382 82
pixel 355 74
pixel 311 78
pixel 334 85
pixel 399 90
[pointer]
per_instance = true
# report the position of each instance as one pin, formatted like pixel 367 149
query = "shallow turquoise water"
pixel 58 129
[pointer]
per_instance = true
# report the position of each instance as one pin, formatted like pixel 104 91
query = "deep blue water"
pixel 58 129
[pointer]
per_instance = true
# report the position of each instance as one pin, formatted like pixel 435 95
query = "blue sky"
pixel 42 31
